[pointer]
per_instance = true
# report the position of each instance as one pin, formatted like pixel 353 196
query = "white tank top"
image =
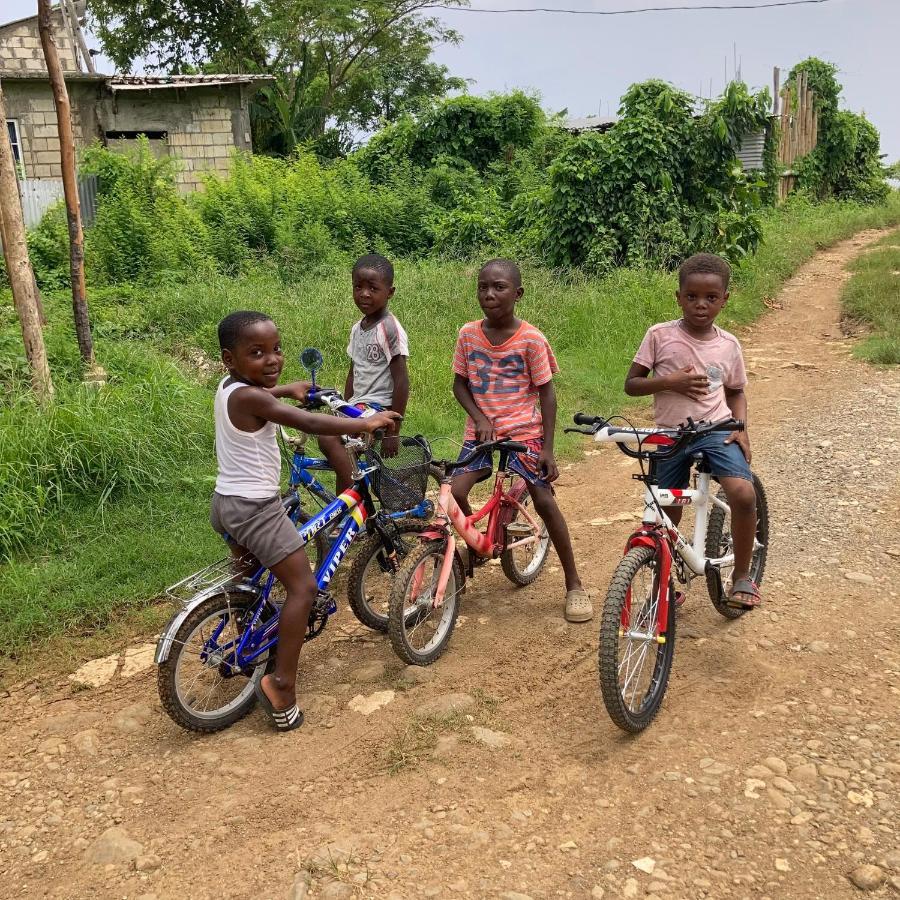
pixel 249 461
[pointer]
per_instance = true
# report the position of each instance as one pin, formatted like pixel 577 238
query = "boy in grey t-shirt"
pixel 378 351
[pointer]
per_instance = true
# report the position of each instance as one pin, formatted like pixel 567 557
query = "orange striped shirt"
pixel 504 380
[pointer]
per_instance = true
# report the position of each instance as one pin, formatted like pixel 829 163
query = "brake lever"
pixel 589 431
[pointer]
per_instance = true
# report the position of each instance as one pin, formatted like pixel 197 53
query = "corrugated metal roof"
pixel 752 149
pixel 156 82
pixel 589 123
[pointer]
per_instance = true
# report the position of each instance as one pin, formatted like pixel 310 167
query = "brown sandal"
pixel 744 586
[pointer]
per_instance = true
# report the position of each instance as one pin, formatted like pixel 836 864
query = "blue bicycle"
pixel 221 642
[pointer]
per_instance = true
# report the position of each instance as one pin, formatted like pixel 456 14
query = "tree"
pixel 70 189
pixel 339 67
pixel 18 267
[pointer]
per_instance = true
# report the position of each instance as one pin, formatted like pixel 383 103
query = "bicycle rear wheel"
pixel 419 631
pixel 634 663
pixel 719 543
pixel 198 687
pixel 522 565
pixel 372 573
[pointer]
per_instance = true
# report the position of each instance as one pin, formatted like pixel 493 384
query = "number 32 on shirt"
pixel 506 378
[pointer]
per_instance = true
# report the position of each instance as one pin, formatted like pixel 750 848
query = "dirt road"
pixel 773 769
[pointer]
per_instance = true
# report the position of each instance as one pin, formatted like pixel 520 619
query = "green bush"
pixel 143 226
pixel 660 184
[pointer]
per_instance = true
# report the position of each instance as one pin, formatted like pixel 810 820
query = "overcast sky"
pixel 585 63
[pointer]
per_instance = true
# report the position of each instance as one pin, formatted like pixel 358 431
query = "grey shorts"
pixel 260 526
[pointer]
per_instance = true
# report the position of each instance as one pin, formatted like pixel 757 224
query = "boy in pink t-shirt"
pixel 503 370
pixel 698 371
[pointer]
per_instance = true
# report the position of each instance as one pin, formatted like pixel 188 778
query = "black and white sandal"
pixel 284 719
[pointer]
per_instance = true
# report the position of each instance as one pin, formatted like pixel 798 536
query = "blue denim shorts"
pixel 524 464
pixel 724 461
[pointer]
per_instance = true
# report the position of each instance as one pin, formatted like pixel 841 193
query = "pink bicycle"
pixel 424 600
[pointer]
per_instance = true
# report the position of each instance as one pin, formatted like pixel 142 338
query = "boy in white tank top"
pixel 246 504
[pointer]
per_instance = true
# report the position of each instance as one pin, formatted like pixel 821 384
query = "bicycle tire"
pixel 620 591
pixel 170 693
pixel 399 617
pixel 718 543
pixel 368 553
pixel 527 575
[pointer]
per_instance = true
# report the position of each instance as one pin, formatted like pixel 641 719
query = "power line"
pixel 630 12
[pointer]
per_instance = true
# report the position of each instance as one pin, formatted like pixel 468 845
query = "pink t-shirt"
pixel 504 380
pixel 668 348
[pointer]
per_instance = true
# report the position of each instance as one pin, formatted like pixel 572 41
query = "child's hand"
pixel 547 466
pixel 694 385
pixel 484 430
pixel 390 446
pixel 387 419
pixel 295 390
pixel 743 441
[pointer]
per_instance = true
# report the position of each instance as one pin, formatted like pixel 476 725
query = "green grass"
pixel 872 298
pixel 106 494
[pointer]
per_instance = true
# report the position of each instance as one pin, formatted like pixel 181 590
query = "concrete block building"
pixel 201 119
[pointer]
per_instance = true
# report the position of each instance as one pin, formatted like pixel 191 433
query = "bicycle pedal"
pixel 515 531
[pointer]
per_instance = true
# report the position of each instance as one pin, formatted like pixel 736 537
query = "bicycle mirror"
pixel 311 360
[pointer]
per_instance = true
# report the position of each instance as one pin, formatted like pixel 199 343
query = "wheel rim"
pixel 528 558
pixel 639 654
pixel 200 684
pixel 424 627
pixel 377 583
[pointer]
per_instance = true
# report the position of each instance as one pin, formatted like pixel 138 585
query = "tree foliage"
pixel 845 163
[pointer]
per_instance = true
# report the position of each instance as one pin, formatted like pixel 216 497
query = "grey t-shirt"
pixel 371 351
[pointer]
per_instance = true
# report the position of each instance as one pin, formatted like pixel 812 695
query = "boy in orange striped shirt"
pixel 504 371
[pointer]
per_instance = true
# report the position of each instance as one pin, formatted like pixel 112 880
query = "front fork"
pixel 654 537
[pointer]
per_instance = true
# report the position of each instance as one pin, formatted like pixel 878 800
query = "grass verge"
pixel 871 298
pixel 123 476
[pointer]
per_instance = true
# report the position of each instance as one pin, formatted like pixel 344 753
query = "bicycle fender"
pixel 167 638
pixel 655 542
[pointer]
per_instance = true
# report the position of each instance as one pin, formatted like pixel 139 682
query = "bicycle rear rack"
pixel 220 573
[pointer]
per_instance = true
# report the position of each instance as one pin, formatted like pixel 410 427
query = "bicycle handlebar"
pixel 502 445
pixel 669 440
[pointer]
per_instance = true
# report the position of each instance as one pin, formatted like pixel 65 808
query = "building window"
pixel 15 140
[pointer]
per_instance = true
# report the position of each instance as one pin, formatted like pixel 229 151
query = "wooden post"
pixel 18 266
pixel 78 35
pixel 776 83
pixel 70 188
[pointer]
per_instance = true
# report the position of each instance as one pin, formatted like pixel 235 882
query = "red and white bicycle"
pixel 637 628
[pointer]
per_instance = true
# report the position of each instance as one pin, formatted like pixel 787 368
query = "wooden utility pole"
pixel 70 188
pixel 18 266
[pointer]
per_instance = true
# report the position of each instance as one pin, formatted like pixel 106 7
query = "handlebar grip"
pixel 584 419
pixel 730 425
pixel 514 447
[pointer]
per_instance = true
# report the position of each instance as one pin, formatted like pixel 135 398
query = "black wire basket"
pixel 401 478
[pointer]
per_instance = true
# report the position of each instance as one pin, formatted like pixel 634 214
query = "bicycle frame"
pixel 484 543
pixel 692 552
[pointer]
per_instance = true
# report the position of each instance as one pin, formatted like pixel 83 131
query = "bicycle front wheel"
pixel 635 662
pixel 522 565
pixel 419 630
pixel 199 687
pixel 372 574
